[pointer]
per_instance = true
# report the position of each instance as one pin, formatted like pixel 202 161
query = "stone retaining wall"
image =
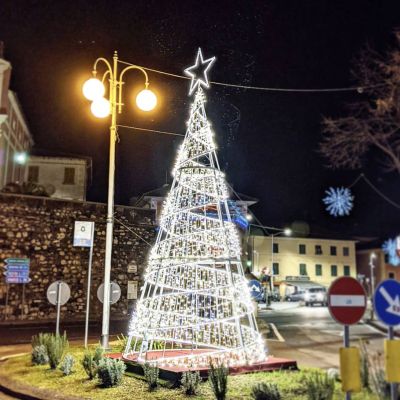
pixel 41 229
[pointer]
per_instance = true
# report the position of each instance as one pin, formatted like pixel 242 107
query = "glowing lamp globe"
pixel 93 89
pixel 100 108
pixel 20 158
pixel 146 100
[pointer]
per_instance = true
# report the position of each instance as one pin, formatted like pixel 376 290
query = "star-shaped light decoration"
pixel 198 72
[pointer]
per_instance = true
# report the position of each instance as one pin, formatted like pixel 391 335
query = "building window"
pixel 303 269
pixel 346 270
pixel 391 275
pixel 318 269
pixel 346 251
pixel 318 249
pixel 302 249
pixel 275 268
pixel 333 270
pixel 69 176
pixel 275 247
pixel 333 250
pixel 33 173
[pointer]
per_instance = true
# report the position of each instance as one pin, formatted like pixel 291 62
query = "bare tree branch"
pixel 374 121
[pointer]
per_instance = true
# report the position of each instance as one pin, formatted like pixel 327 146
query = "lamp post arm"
pixel 108 65
pixel 121 82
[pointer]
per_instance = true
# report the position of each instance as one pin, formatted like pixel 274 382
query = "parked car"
pixel 316 295
pixel 295 296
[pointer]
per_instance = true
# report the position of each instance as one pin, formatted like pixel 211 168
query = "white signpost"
pixel 83 237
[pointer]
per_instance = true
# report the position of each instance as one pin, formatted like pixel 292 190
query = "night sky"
pixel 267 141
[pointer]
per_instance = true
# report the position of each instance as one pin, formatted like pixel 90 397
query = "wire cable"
pixel 358 89
pixel 150 130
pixel 131 230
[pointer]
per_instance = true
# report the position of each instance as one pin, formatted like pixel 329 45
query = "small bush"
pixel 110 372
pixel 320 386
pixel 265 391
pixel 191 382
pixel 218 378
pixel 151 372
pixel 67 364
pixel 56 346
pixel 91 361
pixel 39 355
pixel 40 340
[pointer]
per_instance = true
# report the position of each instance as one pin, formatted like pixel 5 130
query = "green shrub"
pixel 110 372
pixel 218 378
pixel 91 361
pixel 40 339
pixel 151 372
pixel 39 355
pixel 191 382
pixel 319 386
pixel 265 391
pixel 67 364
pixel 56 346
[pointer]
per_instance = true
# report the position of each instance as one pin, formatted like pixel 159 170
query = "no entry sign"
pixel 347 300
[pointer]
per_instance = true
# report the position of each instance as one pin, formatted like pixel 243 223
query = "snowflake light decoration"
pixel 389 248
pixel 339 201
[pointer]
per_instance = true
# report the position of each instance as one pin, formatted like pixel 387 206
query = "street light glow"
pixel 287 231
pixel 146 100
pixel 100 107
pixel 20 158
pixel 93 89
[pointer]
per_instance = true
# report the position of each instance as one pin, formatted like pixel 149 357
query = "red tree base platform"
pixel 270 364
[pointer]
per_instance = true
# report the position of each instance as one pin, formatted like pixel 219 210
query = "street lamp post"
pixel 372 257
pixel 94 90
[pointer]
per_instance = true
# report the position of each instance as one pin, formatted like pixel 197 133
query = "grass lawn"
pixel 291 384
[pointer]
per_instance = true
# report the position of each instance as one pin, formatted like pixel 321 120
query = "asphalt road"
pixel 312 337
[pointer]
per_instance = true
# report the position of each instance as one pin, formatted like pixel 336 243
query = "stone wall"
pixel 41 229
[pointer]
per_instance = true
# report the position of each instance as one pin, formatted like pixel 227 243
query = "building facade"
pixel 300 262
pixel 373 267
pixel 15 137
pixel 62 177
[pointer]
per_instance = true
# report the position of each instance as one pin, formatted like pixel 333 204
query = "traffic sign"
pixel 115 292
pixel 256 289
pixel 387 302
pixel 347 300
pixel 83 233
pixel 58 289
pixel 17 270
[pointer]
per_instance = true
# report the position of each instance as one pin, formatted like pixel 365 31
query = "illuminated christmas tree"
pixel 195 303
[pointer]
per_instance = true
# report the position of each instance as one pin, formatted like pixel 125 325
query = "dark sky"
pixel 267 141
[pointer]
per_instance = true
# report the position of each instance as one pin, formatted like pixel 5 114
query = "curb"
pixel 379 327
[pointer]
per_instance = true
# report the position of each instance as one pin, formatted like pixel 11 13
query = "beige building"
pixel 62 177
pixel 15 138
pixel 302 262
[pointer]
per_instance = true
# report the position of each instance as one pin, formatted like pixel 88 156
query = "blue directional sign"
pixel 387 302
pixel 17 270
pixel 256 289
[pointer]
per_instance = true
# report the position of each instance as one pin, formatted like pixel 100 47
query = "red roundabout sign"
pixel 347 300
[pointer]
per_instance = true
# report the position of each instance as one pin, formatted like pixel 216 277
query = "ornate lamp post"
pixel 94 90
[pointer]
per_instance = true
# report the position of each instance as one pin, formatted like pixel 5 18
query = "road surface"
pixel 310 335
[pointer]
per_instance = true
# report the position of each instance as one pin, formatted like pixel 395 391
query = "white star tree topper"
pixel 198 72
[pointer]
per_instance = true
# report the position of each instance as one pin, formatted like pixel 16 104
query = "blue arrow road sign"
pixel 17 268
pixel 387 302
pixel 17 260
pixel 256 289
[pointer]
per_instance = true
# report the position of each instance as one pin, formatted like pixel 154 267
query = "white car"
pixel 316 295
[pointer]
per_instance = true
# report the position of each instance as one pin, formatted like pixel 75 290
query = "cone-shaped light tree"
pixel 195 303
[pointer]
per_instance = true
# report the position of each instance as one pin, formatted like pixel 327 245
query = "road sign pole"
pixel 23 301
pixel 346 344
pixel 7 290
pixel 393 386
pixel 58 307
pixel 88 290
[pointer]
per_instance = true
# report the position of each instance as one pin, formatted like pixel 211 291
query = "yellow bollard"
pixel 350 369
pixel 392 360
